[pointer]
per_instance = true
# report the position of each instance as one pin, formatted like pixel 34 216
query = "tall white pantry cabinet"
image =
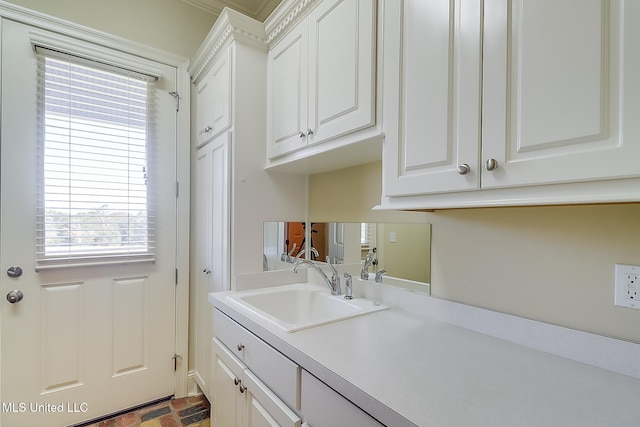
pixel 228 155
pixel 510 102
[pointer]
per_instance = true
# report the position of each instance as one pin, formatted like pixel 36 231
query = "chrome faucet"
pixel 379 275
pixel 333 283
pixel 364 274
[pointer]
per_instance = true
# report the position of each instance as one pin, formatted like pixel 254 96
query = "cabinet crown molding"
pixel 231 25
pixel 286 16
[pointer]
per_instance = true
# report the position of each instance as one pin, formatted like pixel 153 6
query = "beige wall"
pixel 169 25
pixel 552 264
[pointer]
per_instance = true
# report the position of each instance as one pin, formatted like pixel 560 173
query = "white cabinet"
pixel 213 99
pixel 240 399
pixel 317 397
pixel 321 77
pixel 212 245
pixel 500 103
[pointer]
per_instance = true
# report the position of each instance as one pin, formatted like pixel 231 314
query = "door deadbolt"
pixel 14 272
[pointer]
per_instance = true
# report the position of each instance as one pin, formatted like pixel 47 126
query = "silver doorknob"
pixel 464 169
pixel 15 296
pixel 491 164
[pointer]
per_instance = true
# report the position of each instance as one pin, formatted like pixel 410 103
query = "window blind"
pixel 95 163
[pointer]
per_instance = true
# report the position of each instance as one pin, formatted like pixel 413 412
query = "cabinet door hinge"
pixel 176 95
pixel 175 361
pixel 176 277
pixel 177 189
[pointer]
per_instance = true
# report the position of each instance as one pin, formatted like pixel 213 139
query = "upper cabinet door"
pixel 432 86
pixel 213 99
pixel 287 109
pixel 561 91
pixel 342 36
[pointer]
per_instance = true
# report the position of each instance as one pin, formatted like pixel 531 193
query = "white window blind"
pixel 95 158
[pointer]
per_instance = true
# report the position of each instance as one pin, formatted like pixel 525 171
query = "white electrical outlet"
pixel 627 289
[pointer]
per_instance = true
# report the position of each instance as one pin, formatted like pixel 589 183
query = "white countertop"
pixel 408 369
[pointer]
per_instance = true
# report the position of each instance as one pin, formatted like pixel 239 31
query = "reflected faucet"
pixel 364 274
pixel 379 275
pixel 313 251
pixel 333 283
pixel 286 257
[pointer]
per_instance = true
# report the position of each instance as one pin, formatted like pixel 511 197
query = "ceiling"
pixel 257 9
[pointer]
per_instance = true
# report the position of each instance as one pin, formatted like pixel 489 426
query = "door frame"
pixel 40 20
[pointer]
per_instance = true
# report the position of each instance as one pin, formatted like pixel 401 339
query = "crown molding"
pixel 285 17
pixel 231 25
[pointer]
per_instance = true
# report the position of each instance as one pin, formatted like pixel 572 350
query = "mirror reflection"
pixel 402 250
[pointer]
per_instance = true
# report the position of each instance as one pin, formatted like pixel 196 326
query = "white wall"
pixel 169 25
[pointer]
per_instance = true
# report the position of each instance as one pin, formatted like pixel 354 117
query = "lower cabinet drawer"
pixel 322 406
pixel 275 370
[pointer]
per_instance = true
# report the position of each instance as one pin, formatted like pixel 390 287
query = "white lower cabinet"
pixel 253 384
pixel 240 399
pixel 321 406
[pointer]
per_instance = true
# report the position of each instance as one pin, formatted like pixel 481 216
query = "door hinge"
pixel 176 95
pixel 176 277
pixel 175 361
pixel 177 189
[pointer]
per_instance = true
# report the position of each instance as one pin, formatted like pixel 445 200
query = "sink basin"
pixel 301 306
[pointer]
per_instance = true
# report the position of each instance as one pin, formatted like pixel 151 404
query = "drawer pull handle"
pixel 240 347
pixel 242 388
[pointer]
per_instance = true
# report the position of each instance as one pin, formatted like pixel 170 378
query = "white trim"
pixel 183 170
pixel 70 29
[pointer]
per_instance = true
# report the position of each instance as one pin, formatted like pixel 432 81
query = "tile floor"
pixel 184 412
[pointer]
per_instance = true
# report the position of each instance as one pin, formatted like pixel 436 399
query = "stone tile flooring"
pixel 184 412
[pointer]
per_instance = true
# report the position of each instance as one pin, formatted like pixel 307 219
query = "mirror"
pixel 402 249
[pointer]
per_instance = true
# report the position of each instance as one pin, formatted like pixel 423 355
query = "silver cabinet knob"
pixel 242 388
pixel 301 134
pixel 15 296
pixel 207 129
pixel 491 164
pixel 206 271
pixel 240 347
pixel 309 132
pixel 236 381
pixel 464 169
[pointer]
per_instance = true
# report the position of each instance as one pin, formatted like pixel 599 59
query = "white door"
pixel 212 243
pixel 85 340
pixel 432 104
pixel 287 109
pixel 561 90
pixel 342 43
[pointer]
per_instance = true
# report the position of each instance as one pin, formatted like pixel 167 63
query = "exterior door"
pixel 86 340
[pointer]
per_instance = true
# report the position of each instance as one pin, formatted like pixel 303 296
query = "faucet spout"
pixel 379 275
pixel 333 283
